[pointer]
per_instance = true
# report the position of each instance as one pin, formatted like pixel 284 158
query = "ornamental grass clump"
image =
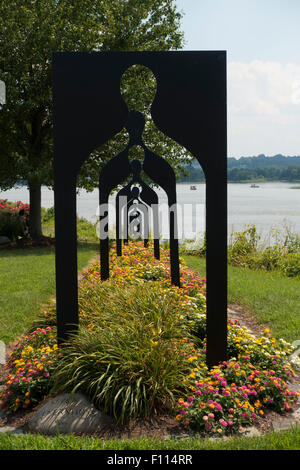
pixel 129 357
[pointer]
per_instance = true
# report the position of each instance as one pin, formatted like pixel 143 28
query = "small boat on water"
pixel 193 188
pixel 254 186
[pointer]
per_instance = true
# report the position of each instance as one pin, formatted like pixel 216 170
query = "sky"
pixel 262 40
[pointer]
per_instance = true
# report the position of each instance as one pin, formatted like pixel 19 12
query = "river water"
pixel 272 205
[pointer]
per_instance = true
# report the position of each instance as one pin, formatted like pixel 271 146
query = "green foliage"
pixel 11 225
pixel 264 174
pixel 13 219
pixel 194 247
pixel 86 231
pixel 246 169
pixel 282 255
pixel 263 161
pixel 242 246
pixel 292 241
pixel 47 214
pixel 290 265
pixel 244 251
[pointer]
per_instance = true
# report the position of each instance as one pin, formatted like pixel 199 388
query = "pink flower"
pixel 223 422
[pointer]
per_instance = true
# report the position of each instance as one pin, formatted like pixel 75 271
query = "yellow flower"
pixel 193 358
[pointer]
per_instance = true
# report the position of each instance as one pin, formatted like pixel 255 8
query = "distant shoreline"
pixel 244 181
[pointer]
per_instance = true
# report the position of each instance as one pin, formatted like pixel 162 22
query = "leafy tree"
pixel 30 30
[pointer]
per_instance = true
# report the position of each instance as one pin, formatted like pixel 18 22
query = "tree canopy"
pixel 30 30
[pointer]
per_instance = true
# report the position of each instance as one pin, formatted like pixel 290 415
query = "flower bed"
pixel 129 325
pixel 30 365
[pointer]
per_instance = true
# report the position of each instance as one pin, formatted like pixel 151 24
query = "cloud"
pixel 263 108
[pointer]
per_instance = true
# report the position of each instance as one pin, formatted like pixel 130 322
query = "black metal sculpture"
pixel 161 173
pixel 189 107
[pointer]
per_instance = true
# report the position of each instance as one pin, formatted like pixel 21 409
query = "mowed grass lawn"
pixel 27 281
pixel 285 440
pixel 272 298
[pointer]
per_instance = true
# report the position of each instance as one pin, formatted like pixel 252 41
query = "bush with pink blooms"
pixel 234 394
pixel 13 219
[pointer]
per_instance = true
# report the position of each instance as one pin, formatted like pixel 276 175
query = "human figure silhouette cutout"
pixel 139 209
pixel 154 166
pixel 149 197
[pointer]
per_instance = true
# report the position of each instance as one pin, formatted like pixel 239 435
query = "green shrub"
pixel 291 242
pixel 268 259
pixel 243 246
pixel 47 214
pixel 290 265
pixel 86 230
pixel 194 247
pixel 12 224
pixel 282 256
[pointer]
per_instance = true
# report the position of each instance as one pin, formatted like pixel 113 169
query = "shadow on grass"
pixel 42 250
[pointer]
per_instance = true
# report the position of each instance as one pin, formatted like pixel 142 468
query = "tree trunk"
pixel 35 218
